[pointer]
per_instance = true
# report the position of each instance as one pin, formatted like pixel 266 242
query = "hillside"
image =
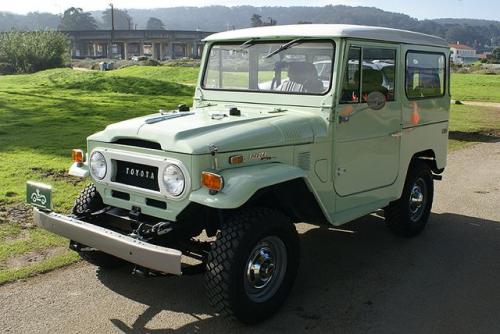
pixel 218 18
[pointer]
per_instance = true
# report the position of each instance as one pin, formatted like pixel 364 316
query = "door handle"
pixel 397 134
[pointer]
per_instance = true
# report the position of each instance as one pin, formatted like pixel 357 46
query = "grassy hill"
pixel 46 114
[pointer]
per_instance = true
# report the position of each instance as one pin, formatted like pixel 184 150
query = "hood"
pixel 193 132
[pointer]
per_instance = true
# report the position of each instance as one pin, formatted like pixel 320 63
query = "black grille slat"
pixel 120 195
pixel 155 203
pixel 137 175
pixel 138 143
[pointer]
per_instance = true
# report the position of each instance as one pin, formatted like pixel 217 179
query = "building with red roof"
pixel 463 54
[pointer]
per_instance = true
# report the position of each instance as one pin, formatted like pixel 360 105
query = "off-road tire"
pixel 89 201
pixel 227 263
pixel 398 214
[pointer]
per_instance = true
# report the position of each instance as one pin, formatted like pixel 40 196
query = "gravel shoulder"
pixel 357 279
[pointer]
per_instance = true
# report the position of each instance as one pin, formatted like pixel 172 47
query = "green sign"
pixel 39 195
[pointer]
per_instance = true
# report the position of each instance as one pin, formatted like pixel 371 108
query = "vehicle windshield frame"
pixel 268 41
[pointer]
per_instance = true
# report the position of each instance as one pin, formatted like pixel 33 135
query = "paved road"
pixel 362 281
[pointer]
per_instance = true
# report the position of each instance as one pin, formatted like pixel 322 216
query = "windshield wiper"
pixel 247 44
pixel 282 47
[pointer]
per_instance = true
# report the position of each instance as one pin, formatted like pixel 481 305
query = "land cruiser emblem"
pixel 139 173
pixel 259 156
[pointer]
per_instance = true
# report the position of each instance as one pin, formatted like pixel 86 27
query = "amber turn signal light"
pixel 77 156
pixel 212 181
pixel 236 159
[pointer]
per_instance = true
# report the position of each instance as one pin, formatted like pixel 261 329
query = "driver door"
pixel 367 141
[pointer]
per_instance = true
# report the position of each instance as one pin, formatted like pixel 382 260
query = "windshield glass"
pixel 290 67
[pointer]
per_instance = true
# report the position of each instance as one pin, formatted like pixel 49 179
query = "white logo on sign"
pixel 36 197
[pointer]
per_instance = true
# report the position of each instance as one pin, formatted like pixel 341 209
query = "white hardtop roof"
pixel 329 31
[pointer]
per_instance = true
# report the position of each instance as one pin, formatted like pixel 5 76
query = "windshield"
pixel 291 67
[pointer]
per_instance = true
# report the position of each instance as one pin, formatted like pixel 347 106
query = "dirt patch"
pixel 481 104
pixel 20 261
pixel 58 175
pixel 21 214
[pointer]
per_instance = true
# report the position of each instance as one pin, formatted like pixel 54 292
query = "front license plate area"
pixel 39 195
pixel 137 175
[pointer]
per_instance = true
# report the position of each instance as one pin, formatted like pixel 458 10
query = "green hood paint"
pixel 191 134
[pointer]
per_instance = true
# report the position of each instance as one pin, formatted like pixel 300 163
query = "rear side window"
pixel 425 75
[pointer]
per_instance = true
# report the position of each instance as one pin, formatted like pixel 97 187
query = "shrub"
pixel 149 62
pixel 6 68
pixel 34 51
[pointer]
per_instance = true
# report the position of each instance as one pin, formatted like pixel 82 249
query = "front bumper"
pixel 162 259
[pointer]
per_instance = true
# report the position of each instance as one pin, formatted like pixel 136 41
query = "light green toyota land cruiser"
pixel 304 123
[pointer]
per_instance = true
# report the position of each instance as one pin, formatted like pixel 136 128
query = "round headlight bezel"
pixel 178 170
pixel 96 157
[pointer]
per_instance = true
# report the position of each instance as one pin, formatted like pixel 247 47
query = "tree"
pixel 155 24
pixel 34 51
pixel 495 56
pixel 123 21
pixel 76 19
pixel 271 22
pixel 256 20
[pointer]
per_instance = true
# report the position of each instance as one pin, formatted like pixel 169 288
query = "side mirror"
pixel 376 100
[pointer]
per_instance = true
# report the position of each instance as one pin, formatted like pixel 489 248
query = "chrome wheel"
pixel 418 199
pixel 265 269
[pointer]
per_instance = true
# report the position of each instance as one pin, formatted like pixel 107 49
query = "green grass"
pixel 473 124
pixel 44 115
pixel 475 87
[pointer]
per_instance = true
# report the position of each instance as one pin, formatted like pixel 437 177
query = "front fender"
pixel 79 170
pixel 240 184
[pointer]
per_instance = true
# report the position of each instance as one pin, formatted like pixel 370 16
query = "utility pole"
pixel 110 55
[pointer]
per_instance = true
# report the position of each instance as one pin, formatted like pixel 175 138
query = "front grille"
pixel 137 175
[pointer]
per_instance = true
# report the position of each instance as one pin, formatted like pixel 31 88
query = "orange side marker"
pixel 415 116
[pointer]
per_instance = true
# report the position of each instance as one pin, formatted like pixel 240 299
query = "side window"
pixel 379 72
pixel 350 86
pixel 425 75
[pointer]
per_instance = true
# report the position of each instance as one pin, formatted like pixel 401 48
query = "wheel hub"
pixel 417 199
pixel 265 269
pixel 260 268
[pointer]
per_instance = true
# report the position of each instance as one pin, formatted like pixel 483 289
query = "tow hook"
pixel 145 231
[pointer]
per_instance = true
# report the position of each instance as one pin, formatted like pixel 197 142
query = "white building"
pixel 463 54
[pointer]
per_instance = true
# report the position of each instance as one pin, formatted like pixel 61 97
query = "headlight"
pixel 98 165
pixel 174 180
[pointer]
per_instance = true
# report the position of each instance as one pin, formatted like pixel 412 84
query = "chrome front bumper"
pixel 162 259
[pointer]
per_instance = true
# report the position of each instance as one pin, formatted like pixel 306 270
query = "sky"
pixel 421 9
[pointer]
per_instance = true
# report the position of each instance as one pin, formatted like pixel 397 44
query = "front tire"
pixel 408 215
pixel 87 202
pixel 253 264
